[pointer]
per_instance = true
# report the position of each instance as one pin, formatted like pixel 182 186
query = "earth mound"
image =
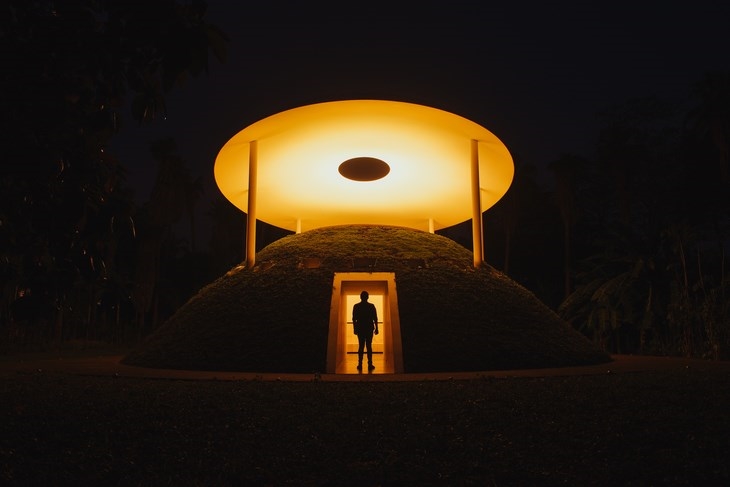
pixel 275 316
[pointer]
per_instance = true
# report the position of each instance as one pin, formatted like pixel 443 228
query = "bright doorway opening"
pixel 342 343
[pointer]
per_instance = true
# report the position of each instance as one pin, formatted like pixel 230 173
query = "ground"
pixel 620 424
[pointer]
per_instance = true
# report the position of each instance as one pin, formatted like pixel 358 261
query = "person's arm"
pixel 375 315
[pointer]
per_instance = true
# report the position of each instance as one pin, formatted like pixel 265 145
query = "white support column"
pixel 299 225
pixel 430 225
pixel 476 204
pixel 251 218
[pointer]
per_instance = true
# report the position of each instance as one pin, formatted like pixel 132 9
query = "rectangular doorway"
pixel 342 343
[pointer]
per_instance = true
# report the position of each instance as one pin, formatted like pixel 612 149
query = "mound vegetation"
pixel 275 316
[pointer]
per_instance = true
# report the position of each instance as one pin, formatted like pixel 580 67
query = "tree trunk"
pixel 567 268
pixel 507 248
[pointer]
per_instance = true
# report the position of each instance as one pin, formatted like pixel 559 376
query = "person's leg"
pixel 369 344
pixel 360 345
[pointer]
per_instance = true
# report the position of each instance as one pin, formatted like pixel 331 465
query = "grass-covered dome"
pixel 275 317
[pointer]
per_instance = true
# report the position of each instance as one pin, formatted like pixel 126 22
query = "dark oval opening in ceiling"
pixel 364 169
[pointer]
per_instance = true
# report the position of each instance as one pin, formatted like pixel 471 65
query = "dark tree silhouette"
pixel 71 66
pixel 174 196
pixel 522 232
pixel 650 279
pixel 567 169
pixel 710 117
pixel 227 238
pixel 507 213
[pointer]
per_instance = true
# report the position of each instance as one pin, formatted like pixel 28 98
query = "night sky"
pixel 535 75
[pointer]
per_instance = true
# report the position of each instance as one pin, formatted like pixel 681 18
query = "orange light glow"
pixel 427 151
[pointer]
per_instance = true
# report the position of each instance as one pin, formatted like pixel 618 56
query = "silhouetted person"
pixel 365 321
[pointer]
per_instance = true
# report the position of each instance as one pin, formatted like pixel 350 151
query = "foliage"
pixel 653 274
pixel 68 225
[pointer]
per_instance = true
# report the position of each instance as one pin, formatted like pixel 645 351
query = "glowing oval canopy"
pixel 410 165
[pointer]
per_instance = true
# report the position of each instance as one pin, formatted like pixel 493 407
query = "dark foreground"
pixel 638 428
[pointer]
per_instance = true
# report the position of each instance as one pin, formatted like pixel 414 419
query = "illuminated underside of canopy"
pixel 414 166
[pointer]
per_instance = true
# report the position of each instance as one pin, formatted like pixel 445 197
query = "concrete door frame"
pixel 374 282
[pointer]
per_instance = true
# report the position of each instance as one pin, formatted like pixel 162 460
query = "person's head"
pixel 364 295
